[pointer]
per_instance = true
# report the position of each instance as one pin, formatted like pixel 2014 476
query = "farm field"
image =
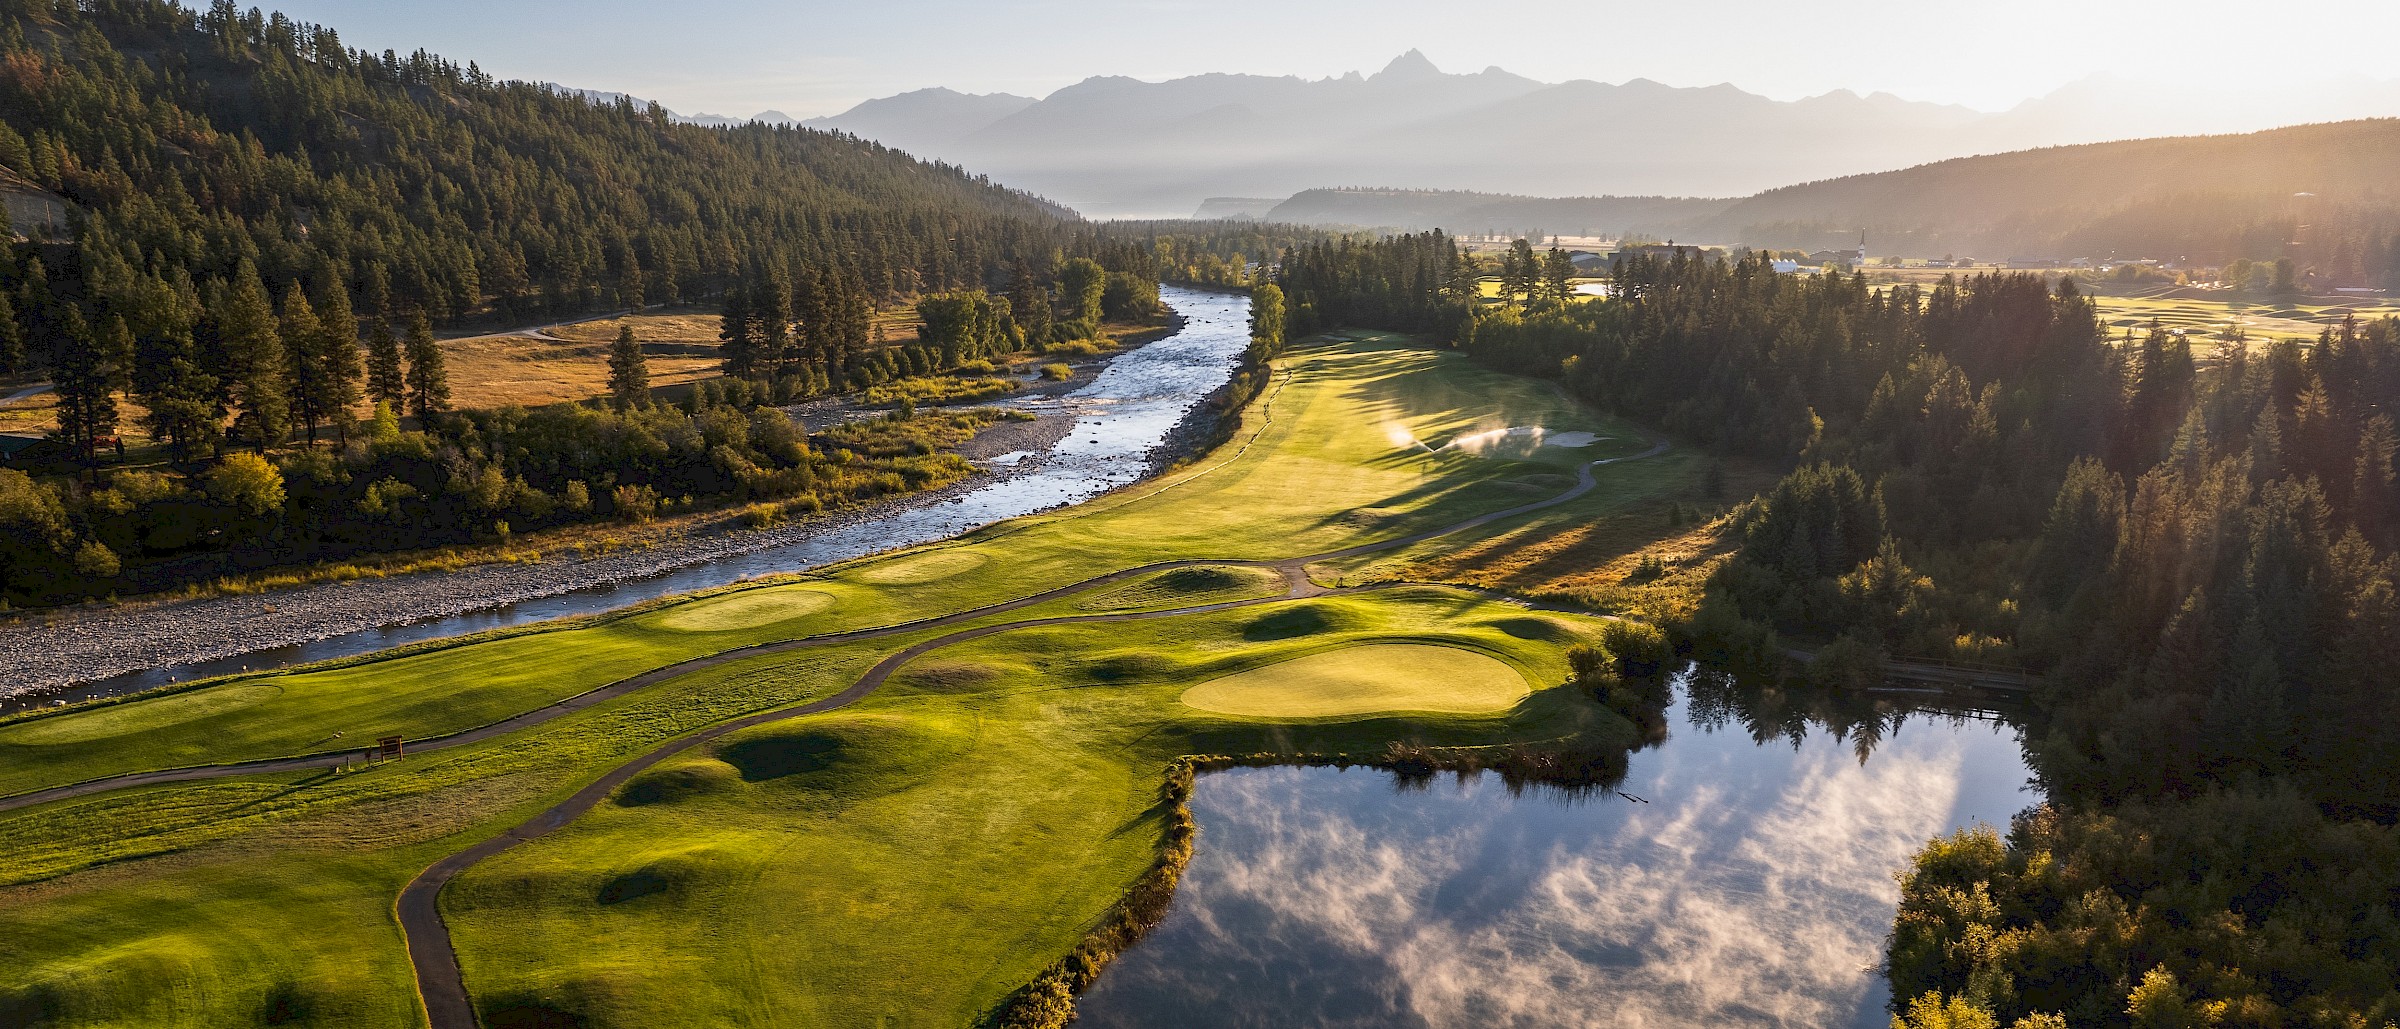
pixel 2216 319
pixel 935 844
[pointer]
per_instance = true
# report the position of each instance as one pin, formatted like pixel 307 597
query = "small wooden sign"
pixel 387 748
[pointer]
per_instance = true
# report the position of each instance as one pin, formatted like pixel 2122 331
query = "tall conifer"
pixel 254 362
pixel 428 378
pixel 387 374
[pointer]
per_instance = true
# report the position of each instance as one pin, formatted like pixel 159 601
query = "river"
pixel 1750 884
pixel 1123 416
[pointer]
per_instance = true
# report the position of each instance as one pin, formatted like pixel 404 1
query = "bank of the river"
pixel 1134 407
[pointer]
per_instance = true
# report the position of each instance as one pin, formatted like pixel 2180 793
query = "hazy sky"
pixel 811 57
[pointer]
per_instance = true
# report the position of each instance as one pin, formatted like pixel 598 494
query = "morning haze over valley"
pixel 1098 514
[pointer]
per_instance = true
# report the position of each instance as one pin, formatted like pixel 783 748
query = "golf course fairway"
pixel 891 792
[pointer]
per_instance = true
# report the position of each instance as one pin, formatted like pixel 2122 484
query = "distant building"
pixel 20 451
pixel 1655 251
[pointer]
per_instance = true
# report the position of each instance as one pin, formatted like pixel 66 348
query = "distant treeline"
pixel 2197 556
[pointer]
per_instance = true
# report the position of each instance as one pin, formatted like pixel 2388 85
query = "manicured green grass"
pixel 1366 679
pixel 746 610
pixel 913 857
pixel 1321 472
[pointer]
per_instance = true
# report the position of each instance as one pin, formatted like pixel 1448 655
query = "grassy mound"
pixel 933 676
pixel 745 610
pixel 1366 679
pixel 1180 586
pixel 1295 622
pixel 1539 628
pixel 669 783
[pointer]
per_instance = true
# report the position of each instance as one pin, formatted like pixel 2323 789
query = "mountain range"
pixel 1118 147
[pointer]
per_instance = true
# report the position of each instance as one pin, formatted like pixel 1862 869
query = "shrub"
pixel 1057 372
pixel 1591 665
pixel 1847 663
pixel 246 483
pixel 96 561
pixel 1641 649
pixel 636 503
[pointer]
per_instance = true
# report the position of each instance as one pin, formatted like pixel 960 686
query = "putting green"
pixel 1371 678
pixel 145 714
pixel 745 610
pixel 933 567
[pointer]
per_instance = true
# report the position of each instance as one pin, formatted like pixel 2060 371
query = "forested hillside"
pixel 2321 194
pixel 190 144
pixel 263 227
pixel 2194 551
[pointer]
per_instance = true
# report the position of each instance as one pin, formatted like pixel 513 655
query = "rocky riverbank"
pixel 51 652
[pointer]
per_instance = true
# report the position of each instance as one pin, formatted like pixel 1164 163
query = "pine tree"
pixel 304 361
pixel 1029 304
pixel 180 398
pixel 34 306
pixel 387 376
pixel 1557 270
pixel 254 361
pixel 428 380
pixel 812 306
pixel 12 338
pixel 628 371
pixel 337 356
pixel 1080 284
pixel 740 345
pixel 85 382
pixel 771 308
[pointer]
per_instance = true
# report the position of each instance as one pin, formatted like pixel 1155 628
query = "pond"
pixel 1742 874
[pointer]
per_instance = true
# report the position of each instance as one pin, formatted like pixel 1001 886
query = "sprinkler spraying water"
pixel 1404 439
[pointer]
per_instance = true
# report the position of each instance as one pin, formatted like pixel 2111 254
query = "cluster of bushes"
pixel 1626 669
pixel 474 476
pixel 937 390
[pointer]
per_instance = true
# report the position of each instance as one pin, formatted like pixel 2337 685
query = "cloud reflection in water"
pixel 1755 890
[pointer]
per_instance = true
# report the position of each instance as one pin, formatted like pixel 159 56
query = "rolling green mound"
pixel 1181 586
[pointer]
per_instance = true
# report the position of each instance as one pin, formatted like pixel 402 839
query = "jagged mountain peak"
pixel 1413 65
